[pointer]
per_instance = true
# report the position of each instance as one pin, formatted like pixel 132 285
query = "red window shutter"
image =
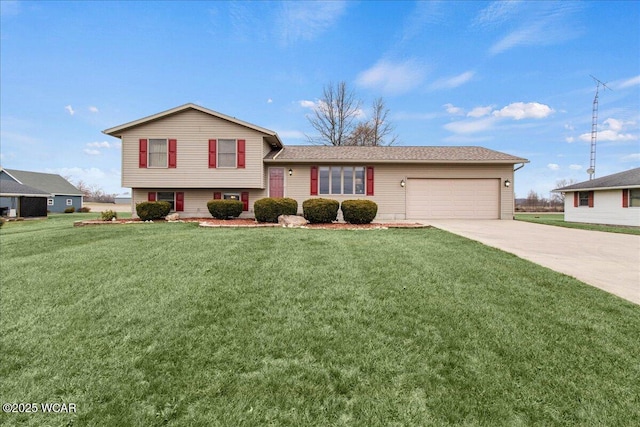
pixel 576 199
pixel 151 196
pixel 369 180
pixel 179 201
pixel 142 161
pixel 314 180
pixel 244 197
pixel 213 144
pixel 173 151
pixel 241 153
pixel 590 199
pixel 625 198
pixel 217 195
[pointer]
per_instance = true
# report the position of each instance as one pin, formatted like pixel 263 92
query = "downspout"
pixel 514 194
pixel 519 167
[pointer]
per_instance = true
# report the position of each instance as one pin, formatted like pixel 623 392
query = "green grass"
pixel 558 220
pixel 171 324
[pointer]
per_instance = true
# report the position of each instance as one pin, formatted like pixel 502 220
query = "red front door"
pixel 276 182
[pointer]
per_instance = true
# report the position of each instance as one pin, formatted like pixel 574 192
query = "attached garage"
pixel 437 198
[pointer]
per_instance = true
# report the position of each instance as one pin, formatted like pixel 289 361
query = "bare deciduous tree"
pixel 559 197
pixel 335 115
pixel 381 129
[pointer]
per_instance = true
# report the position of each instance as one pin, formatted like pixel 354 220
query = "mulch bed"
pixel 251 223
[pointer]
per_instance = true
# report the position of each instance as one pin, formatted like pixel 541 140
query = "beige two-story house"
pixel 189 155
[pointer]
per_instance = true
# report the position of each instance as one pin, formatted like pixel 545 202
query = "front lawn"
pixel 558 220
pixel 153 324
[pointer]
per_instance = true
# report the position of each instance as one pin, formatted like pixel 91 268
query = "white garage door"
pixel 453 198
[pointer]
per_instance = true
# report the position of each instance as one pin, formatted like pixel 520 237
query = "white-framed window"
pixel 167 196
pixel 69 202
pixel 49 202
pixel 341 179
pixel 583 198
pixel 227 153
pixel 634 198
pixel 158 153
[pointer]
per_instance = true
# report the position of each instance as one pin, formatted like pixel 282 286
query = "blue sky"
pixel 510 76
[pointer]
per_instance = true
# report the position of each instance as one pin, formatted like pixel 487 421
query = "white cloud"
pixel 453 82
pixel 631 157
pixel 392 78
pixel 269 101
pixel 103 144
pixel 92 152
pixel 452 109
pixel 612 130
pixel 570 139
pixel 633 81
pixel 307 20
pixel 307 104
pixel 530 23
pixel 70 110
pixel 569 126
pixel 480 111
pixel 471 126
pixel 521 110
pixel 575 167
pixel 553 166
pixel 93 109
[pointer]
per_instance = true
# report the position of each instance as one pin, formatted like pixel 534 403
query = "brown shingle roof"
pixel 416 154
pixel 626 179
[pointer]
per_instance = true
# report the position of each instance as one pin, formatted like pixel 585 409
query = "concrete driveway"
pixel 609 261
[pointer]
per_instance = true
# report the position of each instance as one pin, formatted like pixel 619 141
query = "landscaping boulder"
pixel 292 221
pixel 172 217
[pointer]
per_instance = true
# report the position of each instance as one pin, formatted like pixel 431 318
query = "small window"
pixel 167 196
pixel 227 153
pixel 634 198
pixel 69 202
pixel 231 196
pixel 49 202
pixel 158 153
pixel 583 197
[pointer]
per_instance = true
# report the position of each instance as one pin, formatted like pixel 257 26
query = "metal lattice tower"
pixel 594 129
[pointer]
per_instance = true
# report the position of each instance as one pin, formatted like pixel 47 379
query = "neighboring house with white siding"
pixel 62 194
pixel 189 155
pixel 612 199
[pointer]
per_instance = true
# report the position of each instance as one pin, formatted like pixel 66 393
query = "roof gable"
pixel 271 136
pixel 625 179
pixel 46 182
pixel 393 154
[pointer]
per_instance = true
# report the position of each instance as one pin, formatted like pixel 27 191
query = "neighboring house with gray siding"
pixel 189 155
pixel 18 200
pixel 62 194
pixel 612 199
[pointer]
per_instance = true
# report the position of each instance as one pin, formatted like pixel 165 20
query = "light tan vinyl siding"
pixel 195 200
pixel 391 197
pixel 192 129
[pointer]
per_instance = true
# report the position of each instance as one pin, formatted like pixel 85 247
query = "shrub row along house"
pixel 189 155
pixel 612 199
pixel 32 194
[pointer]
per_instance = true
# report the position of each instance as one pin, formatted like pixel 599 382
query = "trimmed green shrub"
pixel 84 209
pixel 1 222
pixel 70 209
pixel 269 209
pixel 108 215
pixel 318 211
pixel 223 209
pixel 148 211
pixel 359 211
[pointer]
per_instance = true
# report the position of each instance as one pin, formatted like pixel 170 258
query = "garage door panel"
pixel 453 198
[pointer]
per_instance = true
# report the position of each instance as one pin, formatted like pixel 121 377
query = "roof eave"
pixel 393 161
pixel 617 187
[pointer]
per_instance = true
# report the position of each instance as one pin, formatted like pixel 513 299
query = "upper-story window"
pixel 158 153
pixel 227 153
